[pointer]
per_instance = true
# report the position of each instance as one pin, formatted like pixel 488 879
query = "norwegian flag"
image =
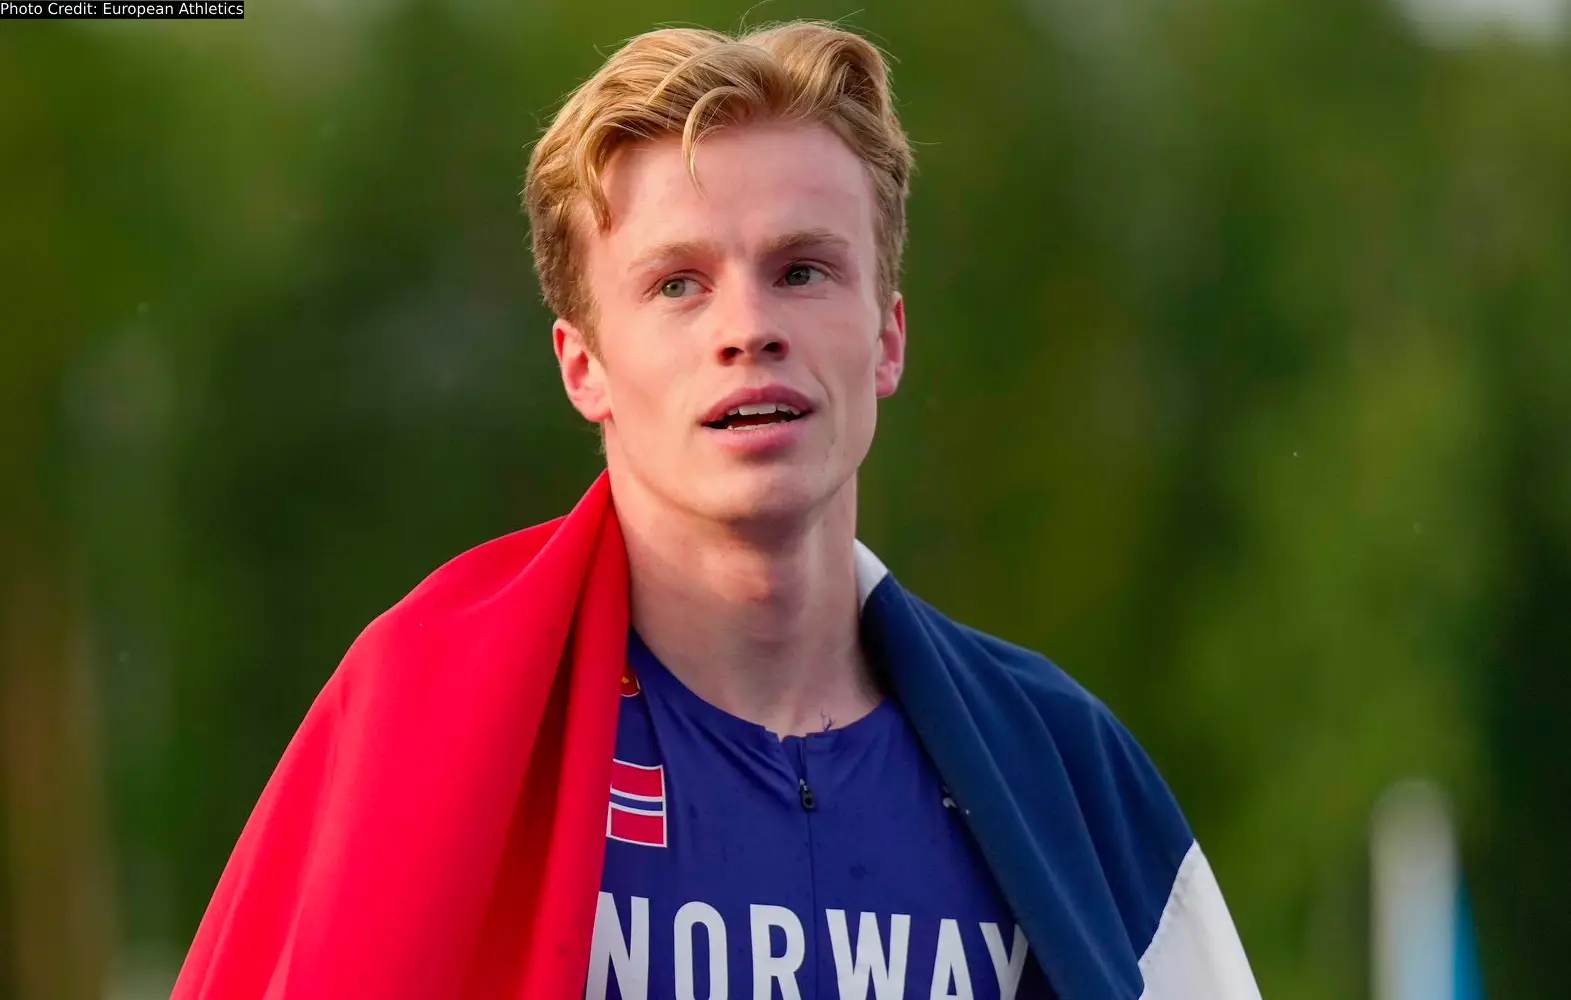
pixel 636 814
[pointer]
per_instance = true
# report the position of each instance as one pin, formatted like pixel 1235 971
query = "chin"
pixel 766 498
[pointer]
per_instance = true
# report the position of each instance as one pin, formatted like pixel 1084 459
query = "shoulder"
pixel 1053 775
pixel 1065 704
pixel 1128 807
pixel 1048 685
pixel 449 603
pixel 478 573
pixel 1106 761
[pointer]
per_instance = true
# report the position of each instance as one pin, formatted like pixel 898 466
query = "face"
pixel 740 342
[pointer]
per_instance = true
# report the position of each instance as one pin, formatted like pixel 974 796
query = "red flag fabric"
pixel 437 825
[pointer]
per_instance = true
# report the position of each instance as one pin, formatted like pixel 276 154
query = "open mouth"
pixel 752 415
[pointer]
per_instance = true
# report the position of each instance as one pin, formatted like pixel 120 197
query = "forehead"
pixel 753 183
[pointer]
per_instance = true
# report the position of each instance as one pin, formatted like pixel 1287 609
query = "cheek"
pixel 646 392
pixel 635 398
pixel 857 366
pixel 860 354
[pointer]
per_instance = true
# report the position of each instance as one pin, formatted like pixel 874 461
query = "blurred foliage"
pixel 1240 384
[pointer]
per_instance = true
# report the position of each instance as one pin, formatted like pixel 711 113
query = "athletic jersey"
pixel 826 867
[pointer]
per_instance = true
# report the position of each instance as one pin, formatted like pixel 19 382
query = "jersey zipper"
pixel 804 790
pixel 809 804
pixel 809 800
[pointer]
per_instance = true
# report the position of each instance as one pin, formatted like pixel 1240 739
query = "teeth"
pixel 763 409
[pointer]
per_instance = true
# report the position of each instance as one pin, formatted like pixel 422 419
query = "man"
pixel 693 740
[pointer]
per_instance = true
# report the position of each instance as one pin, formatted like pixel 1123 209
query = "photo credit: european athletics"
pixel 229 10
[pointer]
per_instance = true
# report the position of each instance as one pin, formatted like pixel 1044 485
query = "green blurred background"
pixel 1240 384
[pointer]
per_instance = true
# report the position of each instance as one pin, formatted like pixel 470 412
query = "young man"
pixel 693 740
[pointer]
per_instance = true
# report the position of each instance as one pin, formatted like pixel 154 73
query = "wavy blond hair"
pixel 688 82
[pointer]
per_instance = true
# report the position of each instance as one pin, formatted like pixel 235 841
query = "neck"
pixel 762 625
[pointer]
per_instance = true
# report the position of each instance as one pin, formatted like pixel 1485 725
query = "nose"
pixel 749 329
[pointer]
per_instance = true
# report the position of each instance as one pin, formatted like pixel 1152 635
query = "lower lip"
pixel 763 440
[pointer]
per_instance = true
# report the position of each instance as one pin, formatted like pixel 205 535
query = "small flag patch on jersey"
pixel 630 686
pixel 636 814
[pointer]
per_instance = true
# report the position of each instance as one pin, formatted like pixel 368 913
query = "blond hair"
pixel 688 82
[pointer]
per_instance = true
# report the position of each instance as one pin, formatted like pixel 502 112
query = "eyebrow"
pixel 808 239
pixel 801 239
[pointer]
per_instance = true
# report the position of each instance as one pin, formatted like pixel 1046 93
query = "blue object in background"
pixel 1467 982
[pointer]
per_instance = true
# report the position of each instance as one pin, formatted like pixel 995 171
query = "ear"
pixel 583 376
pixel 891 348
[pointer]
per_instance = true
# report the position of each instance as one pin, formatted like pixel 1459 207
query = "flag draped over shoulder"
pixel 436 828
pixel 437 825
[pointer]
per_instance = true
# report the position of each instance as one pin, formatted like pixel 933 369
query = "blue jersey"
pixel 832 866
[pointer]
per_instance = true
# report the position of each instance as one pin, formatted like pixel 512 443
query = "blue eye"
pixel 801 274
